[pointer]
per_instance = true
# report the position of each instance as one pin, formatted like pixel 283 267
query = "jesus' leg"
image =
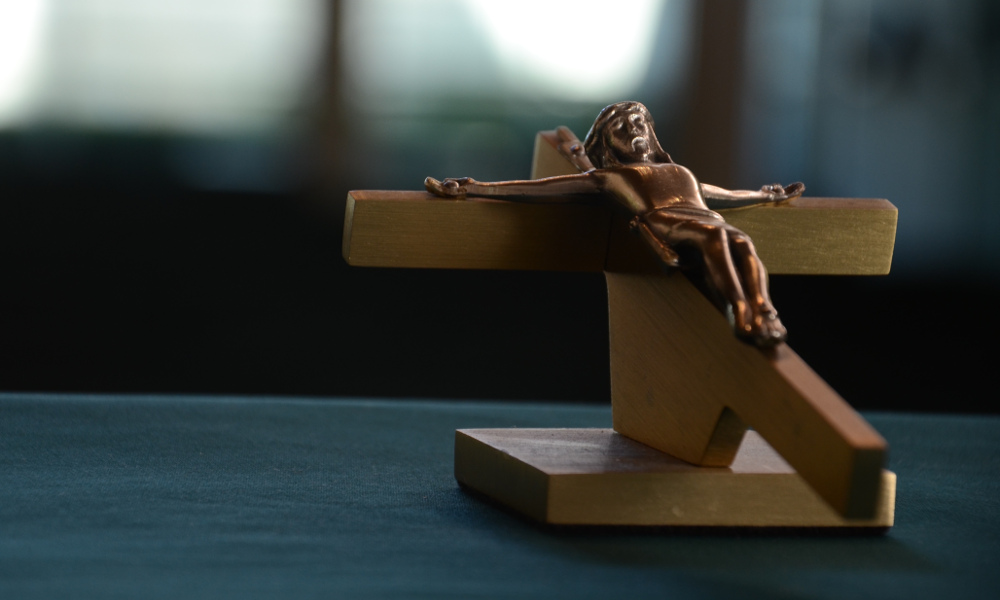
pixel 710 238
pixel 765 327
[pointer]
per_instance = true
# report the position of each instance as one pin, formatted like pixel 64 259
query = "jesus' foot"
pixel 764 330
pixel 761 328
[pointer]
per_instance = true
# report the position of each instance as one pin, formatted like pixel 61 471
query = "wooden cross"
pixel 681 382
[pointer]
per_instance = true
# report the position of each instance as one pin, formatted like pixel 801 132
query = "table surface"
pixel 217 497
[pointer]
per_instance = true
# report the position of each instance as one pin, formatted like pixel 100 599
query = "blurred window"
pixel 410 56
pixel 218 67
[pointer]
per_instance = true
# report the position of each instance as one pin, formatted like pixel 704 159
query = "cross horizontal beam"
pixel 809 236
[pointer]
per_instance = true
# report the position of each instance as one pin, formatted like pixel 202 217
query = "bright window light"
pixel 576 49
pixel 21 29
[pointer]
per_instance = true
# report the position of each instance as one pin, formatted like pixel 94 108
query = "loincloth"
pixel 680 214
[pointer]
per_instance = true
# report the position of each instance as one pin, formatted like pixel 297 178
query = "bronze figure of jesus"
pixel 625 163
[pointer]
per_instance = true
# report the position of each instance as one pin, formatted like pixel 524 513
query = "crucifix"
pixel 682 279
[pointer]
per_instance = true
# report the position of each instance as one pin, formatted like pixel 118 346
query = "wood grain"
pixel 599 477
pixel 419 230
pixel 546 161
pixel 821 236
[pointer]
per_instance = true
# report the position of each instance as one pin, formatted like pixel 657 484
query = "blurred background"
pixel 173 177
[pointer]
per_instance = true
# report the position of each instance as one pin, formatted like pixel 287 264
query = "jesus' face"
pixel 630 136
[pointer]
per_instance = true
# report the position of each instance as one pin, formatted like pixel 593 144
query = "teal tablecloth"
pixel 194 497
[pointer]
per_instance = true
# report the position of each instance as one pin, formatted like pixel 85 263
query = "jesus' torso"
pixel 643 188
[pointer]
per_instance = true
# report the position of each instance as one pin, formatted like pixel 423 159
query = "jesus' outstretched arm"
pixel 561 188
pixel 717 197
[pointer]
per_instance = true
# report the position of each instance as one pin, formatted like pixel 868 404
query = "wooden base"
pixel 599 477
